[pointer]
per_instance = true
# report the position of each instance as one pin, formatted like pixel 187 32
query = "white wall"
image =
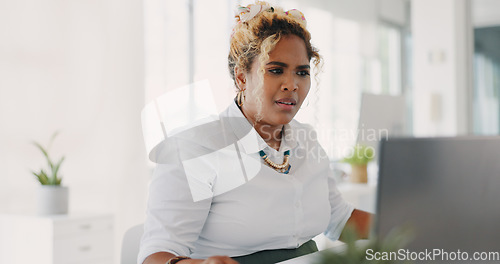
pixel 485 13
pixel 441 50
pixel 74 66
pixel 393 11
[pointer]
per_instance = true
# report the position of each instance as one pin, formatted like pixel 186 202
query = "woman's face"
pixel 286 83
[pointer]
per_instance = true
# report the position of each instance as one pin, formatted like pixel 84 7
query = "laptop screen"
pixel 446 189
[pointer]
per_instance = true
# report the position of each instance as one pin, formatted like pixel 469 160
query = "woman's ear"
pixel 240 77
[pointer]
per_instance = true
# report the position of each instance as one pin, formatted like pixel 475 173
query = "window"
pixel 486 107
pixel 187 41
pixel 390 60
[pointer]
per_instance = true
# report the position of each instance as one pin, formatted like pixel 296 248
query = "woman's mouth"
pixel 286 103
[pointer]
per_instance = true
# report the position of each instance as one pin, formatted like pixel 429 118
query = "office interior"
pixel 88 68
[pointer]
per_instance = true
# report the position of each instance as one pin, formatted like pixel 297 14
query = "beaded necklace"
pixel 282 168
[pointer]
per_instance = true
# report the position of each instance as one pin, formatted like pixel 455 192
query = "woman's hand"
pixel 162 257
pixel 218 260
pixel 210 260
pixel 361 221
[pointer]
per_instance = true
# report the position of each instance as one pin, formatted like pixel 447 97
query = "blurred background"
pixel 87 68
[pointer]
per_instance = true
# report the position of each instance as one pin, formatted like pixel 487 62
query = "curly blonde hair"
pixel 257 37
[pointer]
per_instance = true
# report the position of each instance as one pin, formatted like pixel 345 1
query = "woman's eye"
pixel 276 71
pixel 303 73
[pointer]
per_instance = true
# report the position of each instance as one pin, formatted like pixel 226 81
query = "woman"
pixel 201 211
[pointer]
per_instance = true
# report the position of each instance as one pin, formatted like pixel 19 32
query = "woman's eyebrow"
pixel 284 65
pixel 277 63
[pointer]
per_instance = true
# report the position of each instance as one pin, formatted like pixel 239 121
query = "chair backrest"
pixel 130 244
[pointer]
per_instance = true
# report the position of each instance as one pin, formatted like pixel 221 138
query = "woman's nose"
pixel 289 83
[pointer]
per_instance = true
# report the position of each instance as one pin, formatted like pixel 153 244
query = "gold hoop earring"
pixel 239 97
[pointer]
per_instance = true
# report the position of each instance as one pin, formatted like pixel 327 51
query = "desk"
pixel 310 258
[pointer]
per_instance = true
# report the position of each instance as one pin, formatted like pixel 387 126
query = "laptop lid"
pixel 447 189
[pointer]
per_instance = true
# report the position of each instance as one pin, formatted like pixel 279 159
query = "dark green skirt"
pixel 277 255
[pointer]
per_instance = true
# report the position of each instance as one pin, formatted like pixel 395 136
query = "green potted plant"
pixel 370 251
pixel 52 197
pixel 358 158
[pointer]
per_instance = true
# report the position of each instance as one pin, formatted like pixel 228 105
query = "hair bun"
pixel 297 15
pixel 244 14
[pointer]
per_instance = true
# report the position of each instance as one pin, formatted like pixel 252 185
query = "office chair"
pixel 130 244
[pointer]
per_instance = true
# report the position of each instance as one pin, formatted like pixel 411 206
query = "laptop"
pixel 446 189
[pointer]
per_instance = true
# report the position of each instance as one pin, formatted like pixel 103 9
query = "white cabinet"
pixel 58 239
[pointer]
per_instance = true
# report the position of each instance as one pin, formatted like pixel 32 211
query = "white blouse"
pixel 212 194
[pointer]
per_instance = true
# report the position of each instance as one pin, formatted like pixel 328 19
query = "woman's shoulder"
pixel 198 138
pixel 208 125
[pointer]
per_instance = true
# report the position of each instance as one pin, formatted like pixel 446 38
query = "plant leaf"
pixel 52 180
pixel 38 176
pixel 52 139
pixel 45 153
pixel 55 170
pixel 42 177
pixel 359 155
pixel 42 149
pixel 45 177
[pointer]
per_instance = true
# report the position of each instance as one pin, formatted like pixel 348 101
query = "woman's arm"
pixel 361 221
pixel 163 257
pixel 173 219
